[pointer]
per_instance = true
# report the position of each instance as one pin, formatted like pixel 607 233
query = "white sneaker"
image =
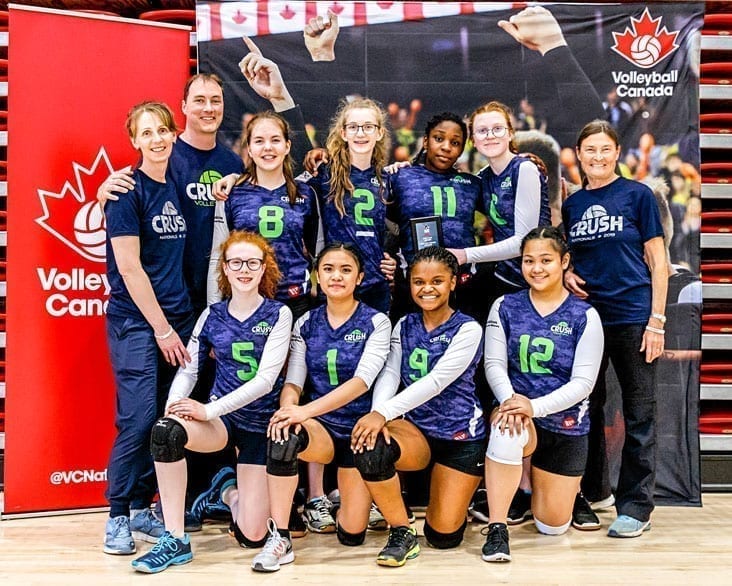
pixel 603 504
pixel 276 551
pixel 376 519
pixel 317 515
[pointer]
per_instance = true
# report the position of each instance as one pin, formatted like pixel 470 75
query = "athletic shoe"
pixel 168 551
pixel 117 536
pixel 603 504
pixel 296 524
pixel 583 517
pixel 410 514
pixel 317 515
pixel 376 519
pixel 146 526
pixel 625 526
pixel 401 546
pixel 209 501
pixel 478 508
pixel 520 509
pixel 276 551
pixel 495 548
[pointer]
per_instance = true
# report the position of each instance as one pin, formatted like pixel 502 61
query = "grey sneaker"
pixel 117 537
pixel 626 526
pixel 317 515
pixel 145 526
pixel 376 519
pixel 276 551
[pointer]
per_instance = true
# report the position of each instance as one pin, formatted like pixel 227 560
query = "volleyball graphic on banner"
pixel 90 230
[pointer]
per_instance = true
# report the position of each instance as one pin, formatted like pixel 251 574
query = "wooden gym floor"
pixel 686 546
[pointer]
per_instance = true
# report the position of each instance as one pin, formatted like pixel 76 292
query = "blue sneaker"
pixel 146 526
pixel 117 537
pixel 625 526
pixel 209 501
pixel 168 551
pixel 192 524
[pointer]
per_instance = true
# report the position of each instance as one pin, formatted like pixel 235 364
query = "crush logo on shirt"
pixel 200 191
pixel 562 328
pixel 262 329
pixel 442 338
pixel 460 179
pixel 596 223
pixel 375 181
pixel 170 222
pixel 506 183
pixel 355 336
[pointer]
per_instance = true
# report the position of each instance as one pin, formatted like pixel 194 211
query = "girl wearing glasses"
pixel 267 200
pixel 250 333
pixel 433 187
pixel 337 350
pixel 515 196
pixel 433 358
pixel 353 192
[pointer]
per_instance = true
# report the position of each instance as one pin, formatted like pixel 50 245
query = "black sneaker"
pixel 296 524
pixel 495 548
pixel 520 509
pixel 401 546
pixel 583 517
pixel 478 509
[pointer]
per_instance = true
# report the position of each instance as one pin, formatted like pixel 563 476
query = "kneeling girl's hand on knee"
pixel 366 431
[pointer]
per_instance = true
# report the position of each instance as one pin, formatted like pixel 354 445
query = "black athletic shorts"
pixel 465 456
pixel 251 445
pixel 559 453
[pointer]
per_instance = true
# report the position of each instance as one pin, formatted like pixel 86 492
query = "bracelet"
pixel 660 317
pixel 655 330
pixel 166 335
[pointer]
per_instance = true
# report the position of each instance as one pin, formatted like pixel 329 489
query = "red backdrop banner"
pixel 73 79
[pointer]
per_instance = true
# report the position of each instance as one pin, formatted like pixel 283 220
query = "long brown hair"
pixel 250 175
pixel 271 276
pixel 340 158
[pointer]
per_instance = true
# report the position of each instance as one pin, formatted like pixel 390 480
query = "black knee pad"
pixel 243 540
pixel 350 539
pixel 444 540
pixel 282 456
pixel 378 464
pixel 167 440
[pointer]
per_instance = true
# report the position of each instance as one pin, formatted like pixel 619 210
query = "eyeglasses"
pixel 236 264
pixel 368 128
pixel 497 131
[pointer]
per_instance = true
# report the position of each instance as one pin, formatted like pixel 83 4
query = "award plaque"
pixel 426 232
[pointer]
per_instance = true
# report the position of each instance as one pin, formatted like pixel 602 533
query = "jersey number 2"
pixel 365 204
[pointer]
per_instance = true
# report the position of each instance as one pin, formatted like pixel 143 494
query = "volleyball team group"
pixel 475 362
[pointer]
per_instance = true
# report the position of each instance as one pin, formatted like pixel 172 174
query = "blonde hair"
pixel 159 109
pixel 271 276
pixel 340 158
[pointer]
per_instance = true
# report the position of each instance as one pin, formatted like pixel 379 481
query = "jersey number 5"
pixel 239 352
pixel 533 362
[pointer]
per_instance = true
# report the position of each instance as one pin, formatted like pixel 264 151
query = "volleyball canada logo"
pixel 74 217
pixel 647 43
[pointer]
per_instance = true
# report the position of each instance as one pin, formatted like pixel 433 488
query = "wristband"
pixel 166 335
pixel 655 330
pixel 660 317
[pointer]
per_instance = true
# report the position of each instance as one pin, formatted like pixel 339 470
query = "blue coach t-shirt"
pixel 152 213
pixel 194 171
pixel 606 230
